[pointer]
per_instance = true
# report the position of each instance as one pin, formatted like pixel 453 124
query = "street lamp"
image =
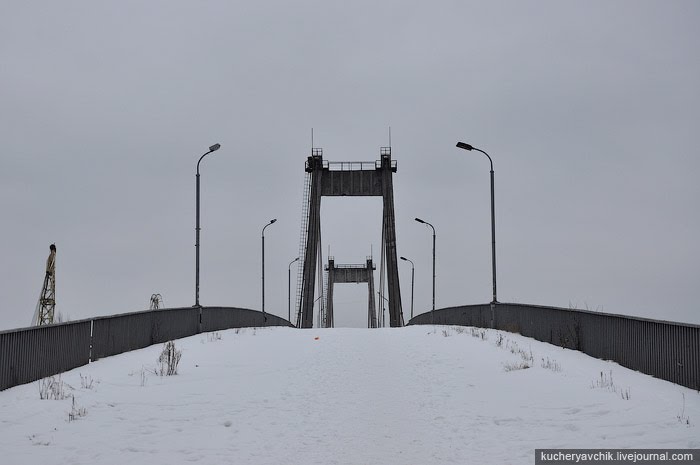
pixel 413 274
pixel 319 309
pixel 213 148
pixel 383 308
pixel 432 313
pixel 466 146
pixel 263 266
pixel 289 289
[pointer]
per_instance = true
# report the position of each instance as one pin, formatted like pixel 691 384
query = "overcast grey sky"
pixel 590 110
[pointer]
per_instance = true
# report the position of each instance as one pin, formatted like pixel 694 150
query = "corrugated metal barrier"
pixel 216 318
pixel 33 353
pixel 122 333
pixel 663 349
pixel 29 354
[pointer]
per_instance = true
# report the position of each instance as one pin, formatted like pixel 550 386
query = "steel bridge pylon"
pixel 359 179
pixel 351 274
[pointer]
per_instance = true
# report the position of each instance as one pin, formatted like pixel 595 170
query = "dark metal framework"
pixel 351 274
pixel 349 179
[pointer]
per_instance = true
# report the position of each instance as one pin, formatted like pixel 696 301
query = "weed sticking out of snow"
pixel 52 388
pixel 450 330
pixel 513 366
pixel 86 382
pixel 168 360
pixel 682 417
pixel 143 374
pixel 36 442
pixel 526 355
pixel 479 333
pixel 551 365
pixel 499 340
pixel 76 411
pixel 527 358
pixel 212 337
pixel 526 362
pixel 606 382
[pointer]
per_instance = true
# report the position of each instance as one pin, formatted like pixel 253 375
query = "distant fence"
pixel 29 354
pixel 663 349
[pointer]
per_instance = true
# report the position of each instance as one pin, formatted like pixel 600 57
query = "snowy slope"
pixel 348 396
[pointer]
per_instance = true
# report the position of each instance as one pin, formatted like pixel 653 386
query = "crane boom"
pixel 44 314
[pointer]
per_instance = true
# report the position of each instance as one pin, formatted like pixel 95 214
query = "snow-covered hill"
pixel 414 395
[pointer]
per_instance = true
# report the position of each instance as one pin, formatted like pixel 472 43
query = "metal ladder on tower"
pixel 324 317
pixel 302 244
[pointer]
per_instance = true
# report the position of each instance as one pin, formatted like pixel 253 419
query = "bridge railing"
pixel 663 349
pixel 349 165
pixel 29 354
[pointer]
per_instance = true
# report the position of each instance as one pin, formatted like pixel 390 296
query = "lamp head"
pixel 272 221
pixel 420 221
pixel 465 146
pixel 403 258
pixel 214 147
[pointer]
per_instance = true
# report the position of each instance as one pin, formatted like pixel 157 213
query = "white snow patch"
pixel 346 396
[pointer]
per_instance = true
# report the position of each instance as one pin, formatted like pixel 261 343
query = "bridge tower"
pixel 346 179
pixel 351 274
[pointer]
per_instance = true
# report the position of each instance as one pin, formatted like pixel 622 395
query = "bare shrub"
pixel 168 360
pixel 52 388
pixel 213 337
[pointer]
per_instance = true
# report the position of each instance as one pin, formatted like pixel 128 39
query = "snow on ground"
pixel 346 396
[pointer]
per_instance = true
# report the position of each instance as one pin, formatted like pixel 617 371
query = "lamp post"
pixel 262 235
pixel 432 312
pixel 466 146
pixel 213 148
pixel 413 274
pixel 289 289
pixel 383 308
